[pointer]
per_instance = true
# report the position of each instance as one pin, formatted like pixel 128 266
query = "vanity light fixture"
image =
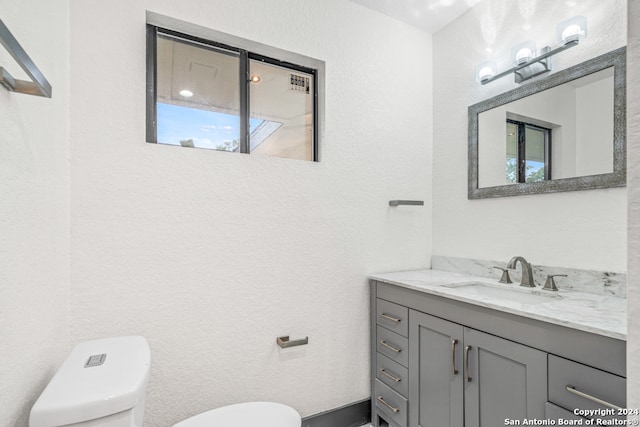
pixel 527 61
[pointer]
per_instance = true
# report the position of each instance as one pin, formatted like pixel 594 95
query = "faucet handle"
pixel 550 284
pixel 505 275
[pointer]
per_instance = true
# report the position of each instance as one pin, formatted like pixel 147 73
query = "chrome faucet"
pixel 527 274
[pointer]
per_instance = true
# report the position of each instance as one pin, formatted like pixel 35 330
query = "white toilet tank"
pixel 101 383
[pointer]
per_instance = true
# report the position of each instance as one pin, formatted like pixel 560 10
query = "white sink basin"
pixel 514 292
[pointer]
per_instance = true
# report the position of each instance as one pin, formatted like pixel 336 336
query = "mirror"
pixel 565 132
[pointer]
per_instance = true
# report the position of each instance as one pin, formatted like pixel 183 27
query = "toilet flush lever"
pixel 95 360
pixel 285 342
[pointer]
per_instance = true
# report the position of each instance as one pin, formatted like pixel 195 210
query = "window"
pixel 206 94
pixel 528 152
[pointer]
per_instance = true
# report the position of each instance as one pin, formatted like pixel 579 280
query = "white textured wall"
pixel 594 102
pixel 633 170
pixel 585 229
pixel 34 210
pixel 211 255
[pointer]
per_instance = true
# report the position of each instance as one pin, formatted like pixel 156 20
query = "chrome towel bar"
pixel 39 85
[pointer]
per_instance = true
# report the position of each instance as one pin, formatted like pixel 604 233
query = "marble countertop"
pixel 598 314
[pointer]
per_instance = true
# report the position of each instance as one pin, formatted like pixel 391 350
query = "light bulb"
pixel 525 54
pixel 572 30
pixel 255 79
pixel 186 93
pixel 571 33
pixel 486 73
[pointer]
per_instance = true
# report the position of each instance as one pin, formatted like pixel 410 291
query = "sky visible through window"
pixel 207 129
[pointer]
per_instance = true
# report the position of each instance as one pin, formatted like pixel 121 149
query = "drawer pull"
pixel 387 405
pixel 390 347
pixel 388 375
pixel 389 317
pixel 453 357
pixel 467 349
pixel 572 389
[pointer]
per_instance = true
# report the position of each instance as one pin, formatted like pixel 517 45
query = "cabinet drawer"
pixel 593 382
pixel 553 412
pixel 392 345
pixel 393 317
pixel 392 374
pixel 390 403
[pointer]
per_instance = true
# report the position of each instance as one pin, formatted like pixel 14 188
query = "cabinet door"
pixel 435 370
pixel 504 380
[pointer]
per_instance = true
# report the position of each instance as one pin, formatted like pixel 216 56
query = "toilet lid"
pixel 250 414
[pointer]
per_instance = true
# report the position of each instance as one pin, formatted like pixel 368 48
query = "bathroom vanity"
pixel 450 349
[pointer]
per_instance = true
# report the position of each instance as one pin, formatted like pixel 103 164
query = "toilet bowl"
pixel 249 414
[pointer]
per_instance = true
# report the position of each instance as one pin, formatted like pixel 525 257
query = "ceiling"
pixel 427 15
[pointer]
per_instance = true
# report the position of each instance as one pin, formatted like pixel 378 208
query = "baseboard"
pixel 352 415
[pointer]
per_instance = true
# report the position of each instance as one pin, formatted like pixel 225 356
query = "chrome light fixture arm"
pixel 525 62
pixel 540 58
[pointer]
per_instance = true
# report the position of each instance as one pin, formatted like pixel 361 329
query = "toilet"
pixel 263 414
pixel 103 383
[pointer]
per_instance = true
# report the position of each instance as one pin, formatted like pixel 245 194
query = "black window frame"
pixel 521 158
pixel 244 79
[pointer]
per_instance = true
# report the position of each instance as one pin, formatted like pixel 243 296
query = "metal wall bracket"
pixel 537 68
pixel 38 85
pixel 406 202
pixel 284 342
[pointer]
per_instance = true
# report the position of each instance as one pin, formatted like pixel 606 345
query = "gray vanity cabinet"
pixel 463 377
pixel 437 362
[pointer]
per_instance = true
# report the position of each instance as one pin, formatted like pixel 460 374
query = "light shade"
pixel 573 29
pixel 523 52
pixel 486 70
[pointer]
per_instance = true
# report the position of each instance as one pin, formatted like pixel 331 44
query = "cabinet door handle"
pixel 467 349
pixel 387 405
pixel 388 375
pixel 389 317
pixel 572 389
pixel 453 357
pixel 390 347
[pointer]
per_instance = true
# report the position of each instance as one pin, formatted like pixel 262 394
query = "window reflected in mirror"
pixel 562 132
pixel 528 153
